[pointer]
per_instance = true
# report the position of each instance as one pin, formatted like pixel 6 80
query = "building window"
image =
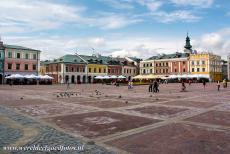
pixel 18 55
pixel 72 69
pixel 99 70
pixel 156 71
pixel 9 66
pixel 147 65
pixel 95 70
pixel 143 65
pixel 203 62
pixel 193 63
pixel 17 66
pixel 175 70
pixel 66 69
pixel 34 56
pixel 34 66
pixel 193 70
pixel 77 69
pixel 184 70
pixel 183 62
pixel 104 70
pixel 198 62
pixel 198 69
pixel 0 55
pixel 26 66
pixel 203 69
pixel 151 65
pixel 9 54
pixel 27 56
pixel 90 70
pixel 156 65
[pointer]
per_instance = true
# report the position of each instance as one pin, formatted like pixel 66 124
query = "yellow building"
pixel 96 70
pixel 206 64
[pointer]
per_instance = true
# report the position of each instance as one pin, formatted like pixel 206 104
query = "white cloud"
pixel 180 15
pixel 119 4
pixel 216 42
pixel 196 3
pixel 152 5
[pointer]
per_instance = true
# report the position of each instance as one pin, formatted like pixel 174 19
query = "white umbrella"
pixel 113 77
pixel 45 77
pixel 15 76
pixel 121 77
pixel 32 76
pixel 106 77
pixel 99 77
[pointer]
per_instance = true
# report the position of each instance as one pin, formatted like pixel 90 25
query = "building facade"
pixel 224 65
pixel 2 58
pixel 206 64
pixel 229 67
pixel 21 60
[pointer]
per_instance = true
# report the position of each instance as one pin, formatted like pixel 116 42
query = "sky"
pixel 138 28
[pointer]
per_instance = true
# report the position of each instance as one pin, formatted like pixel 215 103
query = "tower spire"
pixel 188 46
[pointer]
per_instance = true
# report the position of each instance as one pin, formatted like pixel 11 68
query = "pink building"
pixel 21 60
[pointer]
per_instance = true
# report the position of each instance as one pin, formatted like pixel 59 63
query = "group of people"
pixel 154 86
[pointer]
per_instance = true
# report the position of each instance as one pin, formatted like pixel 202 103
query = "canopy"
pixel 113 77
pixel 45 77
pixel 99 77
pixel 15 76
pixel 121 77
pixel 32 76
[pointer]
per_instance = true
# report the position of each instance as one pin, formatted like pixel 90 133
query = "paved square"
pixel 213 117
pixel 159 110
pixel 193 103
pixel 100 123
pixel 122 120
pixel 176 138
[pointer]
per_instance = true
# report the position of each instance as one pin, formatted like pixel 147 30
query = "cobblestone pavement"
pixel 18 130
pixel 116 119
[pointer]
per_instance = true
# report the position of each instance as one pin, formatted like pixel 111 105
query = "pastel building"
pixel 171 64
pixel 21 60
pixel 68 68
pixel 207 64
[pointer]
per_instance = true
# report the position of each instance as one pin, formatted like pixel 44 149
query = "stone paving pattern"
pixel 116 119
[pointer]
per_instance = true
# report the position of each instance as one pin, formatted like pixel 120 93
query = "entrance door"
pixel 72 79
pixel 1 77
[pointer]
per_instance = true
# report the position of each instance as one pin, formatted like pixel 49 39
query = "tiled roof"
pixel 169 56
pixel 135 59
pixel 19 47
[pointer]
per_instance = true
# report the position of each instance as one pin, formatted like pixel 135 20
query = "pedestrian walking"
pixel 151 86
pixel 204 84
pixel 218 85
pixel 183 87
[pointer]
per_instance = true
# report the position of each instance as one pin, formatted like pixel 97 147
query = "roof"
pixel 98 59
pixel 135 59
pixel 104 60
pixel 19 47
pixel 169 56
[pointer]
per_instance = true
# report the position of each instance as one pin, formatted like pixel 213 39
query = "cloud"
pixel 217 42
pixel 118 4
pixel 114 21
pixel 180 15
pixel 152 5
pixel 195 3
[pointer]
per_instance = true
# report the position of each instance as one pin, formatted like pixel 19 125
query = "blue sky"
pixel 139 28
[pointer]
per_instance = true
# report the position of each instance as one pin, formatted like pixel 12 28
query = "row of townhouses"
pixel 187 62
pixel 18 60
pixel 83 68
